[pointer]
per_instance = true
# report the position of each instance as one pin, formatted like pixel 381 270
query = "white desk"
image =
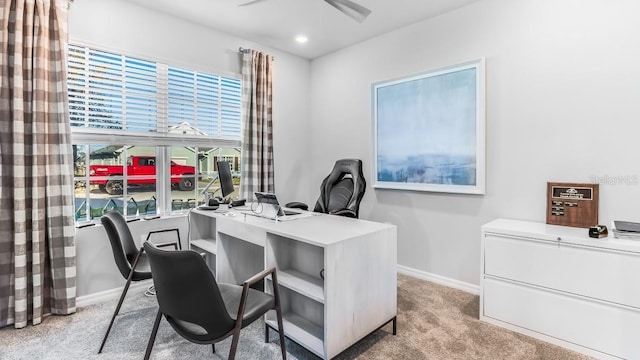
pixel 357 295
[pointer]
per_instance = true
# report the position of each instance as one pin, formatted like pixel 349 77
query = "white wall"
pixel 562 105
pixel 95 266
pixel 133 30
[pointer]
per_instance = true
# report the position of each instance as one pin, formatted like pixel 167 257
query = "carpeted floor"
pixel 434 322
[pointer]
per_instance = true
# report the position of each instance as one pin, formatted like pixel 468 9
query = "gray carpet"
pixel 434 322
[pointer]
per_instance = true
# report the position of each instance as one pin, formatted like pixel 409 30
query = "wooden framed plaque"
pixel 572 204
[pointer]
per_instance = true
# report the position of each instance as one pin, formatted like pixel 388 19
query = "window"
pixel 145 133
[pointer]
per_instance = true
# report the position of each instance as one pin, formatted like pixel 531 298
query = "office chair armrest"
pixel 245 292
pixel 297 205
pixel 166 230
pixel 344 212
pixel 259 276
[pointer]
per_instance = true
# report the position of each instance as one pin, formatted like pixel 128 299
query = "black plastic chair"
pixel 341 191
pixel 201 310
pixel 131 261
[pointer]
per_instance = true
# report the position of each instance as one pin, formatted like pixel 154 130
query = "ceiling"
pixel 275 23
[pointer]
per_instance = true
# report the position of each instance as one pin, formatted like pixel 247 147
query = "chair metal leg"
pixel 124 293
pixel 152 338
pixel 276 295
pixel 283 348
pixel 395 323
pixel 234 344
pixel 266 333
pixel 213 347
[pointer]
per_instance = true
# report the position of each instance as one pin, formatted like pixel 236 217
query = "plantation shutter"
pixel 112 91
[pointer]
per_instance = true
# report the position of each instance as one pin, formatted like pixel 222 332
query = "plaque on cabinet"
pixel 572 204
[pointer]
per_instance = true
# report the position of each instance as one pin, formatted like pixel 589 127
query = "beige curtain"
pixel 37 250
pixel 257 124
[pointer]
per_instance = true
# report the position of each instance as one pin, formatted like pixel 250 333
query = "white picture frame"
pixel 429 130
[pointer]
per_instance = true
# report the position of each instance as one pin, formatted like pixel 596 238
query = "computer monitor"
pixel 226 180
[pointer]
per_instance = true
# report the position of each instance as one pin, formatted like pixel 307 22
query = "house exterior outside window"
pixel 147 135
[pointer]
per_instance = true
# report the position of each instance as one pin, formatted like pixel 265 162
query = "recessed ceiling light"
pixel 302 39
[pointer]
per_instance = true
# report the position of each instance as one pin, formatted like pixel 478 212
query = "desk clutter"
pixel 239 202
pixel 214 203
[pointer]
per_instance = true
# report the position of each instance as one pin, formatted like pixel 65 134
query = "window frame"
pixel 162 141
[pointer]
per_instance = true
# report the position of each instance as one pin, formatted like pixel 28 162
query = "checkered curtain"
pixel 257 124
pixel 37 250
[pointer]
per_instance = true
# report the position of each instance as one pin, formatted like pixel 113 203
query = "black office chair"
pixel 341 191
pixel 201 310
pixel 131 261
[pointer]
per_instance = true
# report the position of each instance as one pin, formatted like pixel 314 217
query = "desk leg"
pixel 395 323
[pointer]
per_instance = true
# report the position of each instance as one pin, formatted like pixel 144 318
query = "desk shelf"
pixel 202 230
pixel 208 248
pixel 302 296
pixel 306 285
pixel 301 331
pixel 298 264
pixel 302 317
pixel 208 245
pixel 202 238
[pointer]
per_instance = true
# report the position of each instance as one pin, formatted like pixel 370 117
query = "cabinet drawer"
pixel 609 329
pixel 596 273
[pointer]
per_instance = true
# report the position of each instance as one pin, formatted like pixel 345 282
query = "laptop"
pixel 269 207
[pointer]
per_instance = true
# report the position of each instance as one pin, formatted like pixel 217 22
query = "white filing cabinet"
pixel 557 284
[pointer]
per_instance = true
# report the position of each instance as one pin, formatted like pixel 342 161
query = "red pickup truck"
pixel 181 175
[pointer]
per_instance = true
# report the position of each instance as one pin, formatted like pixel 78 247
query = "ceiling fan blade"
pixel 249 2
pixel 355 11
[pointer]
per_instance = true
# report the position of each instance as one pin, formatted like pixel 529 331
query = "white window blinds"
pixel 113 91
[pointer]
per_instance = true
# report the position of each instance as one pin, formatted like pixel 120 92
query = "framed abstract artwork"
pixel 429 130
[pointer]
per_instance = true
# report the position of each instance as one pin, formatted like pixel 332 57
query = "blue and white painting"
pixel 427 132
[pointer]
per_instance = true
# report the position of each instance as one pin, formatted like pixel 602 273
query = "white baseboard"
pixel 439 279
pixel 114 293
pixel 102 296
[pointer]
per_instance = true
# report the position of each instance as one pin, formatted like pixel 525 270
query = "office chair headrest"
pixel 351 168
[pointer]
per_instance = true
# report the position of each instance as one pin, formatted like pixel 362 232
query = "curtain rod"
pixel 242 50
